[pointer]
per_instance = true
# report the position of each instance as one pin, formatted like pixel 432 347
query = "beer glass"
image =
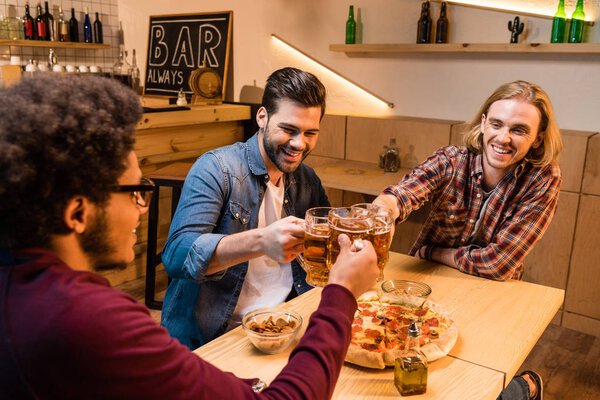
pixel 382 232
pixel 354 222
pixel 316 233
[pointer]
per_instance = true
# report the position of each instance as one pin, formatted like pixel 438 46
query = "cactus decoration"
pixel 516 28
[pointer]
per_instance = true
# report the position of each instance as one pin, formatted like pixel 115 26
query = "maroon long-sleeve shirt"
pixel 67 334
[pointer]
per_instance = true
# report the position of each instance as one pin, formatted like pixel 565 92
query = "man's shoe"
pixel 538 383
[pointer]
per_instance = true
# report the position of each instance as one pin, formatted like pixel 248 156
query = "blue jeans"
pixel 517 389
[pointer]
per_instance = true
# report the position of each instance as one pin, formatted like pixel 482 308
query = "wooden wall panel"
pixel 591 176
pixel 332 137
pixel 456 135
pixel 583 288
pixel 548 262
pixel 417 138
pixel 581 323
pixel 572 159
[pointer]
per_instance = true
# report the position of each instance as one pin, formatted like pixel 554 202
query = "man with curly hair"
pixel 71 198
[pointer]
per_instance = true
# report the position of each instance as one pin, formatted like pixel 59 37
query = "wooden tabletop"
pixel 356 176
pixel 498 324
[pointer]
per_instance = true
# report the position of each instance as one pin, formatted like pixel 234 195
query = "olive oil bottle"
pixel 410 369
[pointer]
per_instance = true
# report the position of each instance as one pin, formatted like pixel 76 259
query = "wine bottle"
pixel 577 24
pixel 559 22
pixel 424 25
pixel 41 24
pixel 441 28
pixel 28 25
pixel 87 28
pixel 73 27
pixel 98 37
pixel 351 27
pixel 62 26
pixel 50 27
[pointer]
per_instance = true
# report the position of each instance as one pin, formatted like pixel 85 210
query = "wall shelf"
pixel 385 49
pixel 55 45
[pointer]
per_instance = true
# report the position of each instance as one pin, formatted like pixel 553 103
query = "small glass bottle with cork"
pixel 410 369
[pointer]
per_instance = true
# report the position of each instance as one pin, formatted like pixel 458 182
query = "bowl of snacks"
pixel 409 292
pixel 272 330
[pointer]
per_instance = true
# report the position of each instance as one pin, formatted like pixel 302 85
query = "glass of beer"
pixel 382 232
pixel 356 223
pixel 316 234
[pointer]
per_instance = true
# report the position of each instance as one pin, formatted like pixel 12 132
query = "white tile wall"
pixel 109 16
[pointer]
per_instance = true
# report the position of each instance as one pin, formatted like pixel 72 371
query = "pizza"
pixel 380 328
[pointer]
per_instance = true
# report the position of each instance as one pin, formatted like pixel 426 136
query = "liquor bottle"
pixel 121 70
pixel 391 158
pixel 62 26
pixel 577 23
pixel 424 25
pixel 51 28
pixel 98 37
pixel 87 28
pixel 28 25
pixel 382 156
pixel 135 74
pixel 52 60
pixel 441 28
pixel 558 24
pixel 351 27
pixel 73 27
pixel 410 369
pixel 41 24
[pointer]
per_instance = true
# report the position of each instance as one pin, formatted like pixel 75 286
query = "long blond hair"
pixel 531 93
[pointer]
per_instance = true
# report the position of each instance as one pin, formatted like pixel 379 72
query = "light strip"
pixel 514 8
pixel 280 40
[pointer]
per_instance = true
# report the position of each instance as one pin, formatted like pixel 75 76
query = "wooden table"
pixel 356 176
pixel 498 324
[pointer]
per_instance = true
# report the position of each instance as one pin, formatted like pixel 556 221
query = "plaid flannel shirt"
pixel 519 211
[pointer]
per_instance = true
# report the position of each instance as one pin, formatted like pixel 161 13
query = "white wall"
pixel 445 86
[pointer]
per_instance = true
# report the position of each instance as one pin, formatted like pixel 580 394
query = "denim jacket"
pixel 222 195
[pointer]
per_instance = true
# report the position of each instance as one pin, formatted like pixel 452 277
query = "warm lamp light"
pixel 331 71
pixel 546 10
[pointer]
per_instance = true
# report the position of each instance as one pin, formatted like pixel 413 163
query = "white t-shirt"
pixel 267 283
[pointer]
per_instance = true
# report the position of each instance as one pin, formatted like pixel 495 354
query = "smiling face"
pixel 109 240
pixel 287 136
pixel 510 129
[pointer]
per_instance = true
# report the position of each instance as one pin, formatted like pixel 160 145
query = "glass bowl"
pixel 406 288
pixel 272 330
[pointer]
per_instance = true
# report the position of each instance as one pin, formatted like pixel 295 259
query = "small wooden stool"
pixel 171 176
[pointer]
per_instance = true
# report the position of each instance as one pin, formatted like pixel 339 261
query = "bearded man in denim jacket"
pixel 238 226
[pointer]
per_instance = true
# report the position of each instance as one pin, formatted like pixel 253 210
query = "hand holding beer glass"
pixel 323 225
pixel 382 232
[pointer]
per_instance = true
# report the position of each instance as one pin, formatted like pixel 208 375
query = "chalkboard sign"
pixel 179 44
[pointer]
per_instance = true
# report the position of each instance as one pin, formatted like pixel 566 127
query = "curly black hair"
pixel 60 136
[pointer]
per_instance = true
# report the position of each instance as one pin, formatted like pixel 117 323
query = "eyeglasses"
pixel 142 193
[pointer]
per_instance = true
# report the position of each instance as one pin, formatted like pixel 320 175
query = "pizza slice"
pixel 367 347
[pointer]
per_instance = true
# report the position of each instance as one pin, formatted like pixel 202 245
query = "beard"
pixel 271 150
pixel 97 246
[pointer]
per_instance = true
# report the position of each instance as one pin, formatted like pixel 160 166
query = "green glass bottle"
pixel 351 27
pixel 559 22
pixel 577 24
